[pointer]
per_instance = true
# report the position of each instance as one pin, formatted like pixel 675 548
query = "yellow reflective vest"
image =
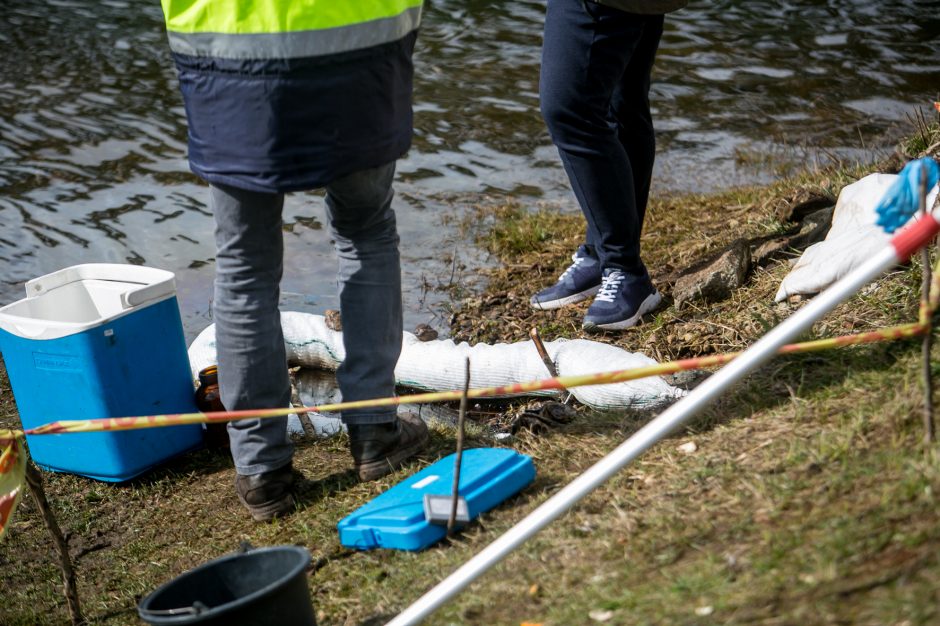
pixel 265 29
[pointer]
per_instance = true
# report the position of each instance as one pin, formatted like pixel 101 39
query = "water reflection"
pixel 92 133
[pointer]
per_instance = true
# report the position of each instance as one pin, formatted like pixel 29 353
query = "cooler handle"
pixel 155 283
pixel 137 297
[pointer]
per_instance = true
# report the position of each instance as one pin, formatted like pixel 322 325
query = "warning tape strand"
pixel 558 383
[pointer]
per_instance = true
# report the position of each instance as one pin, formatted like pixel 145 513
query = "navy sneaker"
pixel 579 282
pixel 621 301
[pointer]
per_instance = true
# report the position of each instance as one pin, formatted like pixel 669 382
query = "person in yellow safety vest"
pixel 288 95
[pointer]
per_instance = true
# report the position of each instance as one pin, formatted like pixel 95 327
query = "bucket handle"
pixel 198 608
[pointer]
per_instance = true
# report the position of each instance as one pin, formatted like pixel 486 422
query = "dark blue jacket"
pixel 295 124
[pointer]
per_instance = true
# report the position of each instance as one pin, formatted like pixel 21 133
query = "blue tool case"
pixel 396 518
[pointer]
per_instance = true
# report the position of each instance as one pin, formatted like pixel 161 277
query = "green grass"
pixel 810 499
pixel 925 136
pixel 818 507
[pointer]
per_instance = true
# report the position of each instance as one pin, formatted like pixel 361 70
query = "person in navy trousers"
pixel 594 89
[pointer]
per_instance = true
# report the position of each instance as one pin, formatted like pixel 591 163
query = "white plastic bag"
pixel 852 239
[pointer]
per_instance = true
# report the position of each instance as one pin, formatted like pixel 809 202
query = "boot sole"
pixel 652 301
pixel 270 510
pixel 549 305
pixel 382 467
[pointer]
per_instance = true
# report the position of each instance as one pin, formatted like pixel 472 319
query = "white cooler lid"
pixel 80 297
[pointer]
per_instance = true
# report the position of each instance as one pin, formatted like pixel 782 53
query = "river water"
pixel 92 131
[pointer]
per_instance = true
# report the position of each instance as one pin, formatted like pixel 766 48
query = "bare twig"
pixel 451 521
pixel 34 480
pixel 453 267
pixel 303 417
pixel 929 429
pixel 546 359
pixel 931 148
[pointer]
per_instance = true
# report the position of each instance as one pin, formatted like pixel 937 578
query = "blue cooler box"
pixel 396 518
pixel 100 340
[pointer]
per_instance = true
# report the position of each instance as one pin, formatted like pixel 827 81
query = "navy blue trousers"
pixel 594 91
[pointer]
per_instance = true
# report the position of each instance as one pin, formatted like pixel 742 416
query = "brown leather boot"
pixel 379 449
pixel 267 495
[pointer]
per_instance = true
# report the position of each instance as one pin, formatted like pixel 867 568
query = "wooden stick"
pixel 34 480
pixel 929 429
pixel 304 417
pixel 452 520
pixel 546 359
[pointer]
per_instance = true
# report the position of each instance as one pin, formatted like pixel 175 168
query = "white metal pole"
pixel 666 422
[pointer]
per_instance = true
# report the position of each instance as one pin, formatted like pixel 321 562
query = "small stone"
pixel 813 228
pixel 688 447
pixel 425 333
pixel 714 279
pixel 801 203
pixel 687 379
pixel 767 251
pixel 334 320
pixel 599 615
pixel 703 611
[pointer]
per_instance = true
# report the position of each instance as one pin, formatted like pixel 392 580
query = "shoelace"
pixel 610 286
pixel 578 260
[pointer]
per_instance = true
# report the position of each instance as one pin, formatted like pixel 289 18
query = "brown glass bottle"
pixel 208 399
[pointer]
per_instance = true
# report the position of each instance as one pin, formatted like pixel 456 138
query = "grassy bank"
pixel 808 497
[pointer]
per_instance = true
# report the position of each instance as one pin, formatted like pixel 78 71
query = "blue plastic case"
pixel 396 519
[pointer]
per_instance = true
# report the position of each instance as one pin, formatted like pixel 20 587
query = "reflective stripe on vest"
pixel 285 29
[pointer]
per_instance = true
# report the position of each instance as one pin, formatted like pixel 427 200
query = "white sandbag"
pixel 439 365
pixel 852 239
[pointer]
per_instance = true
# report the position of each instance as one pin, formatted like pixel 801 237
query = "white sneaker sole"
pixel 560 302
pixel 652 301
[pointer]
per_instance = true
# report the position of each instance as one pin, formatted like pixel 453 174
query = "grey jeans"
pixel 250 344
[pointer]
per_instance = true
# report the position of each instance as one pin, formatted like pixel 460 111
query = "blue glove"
pixel 902 199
